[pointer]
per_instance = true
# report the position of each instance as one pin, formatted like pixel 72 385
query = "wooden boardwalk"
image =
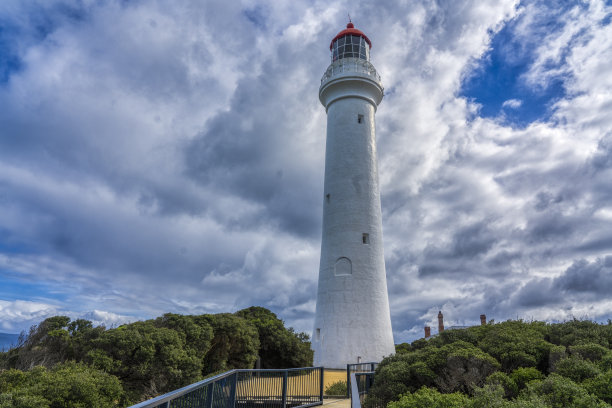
pixel 337 402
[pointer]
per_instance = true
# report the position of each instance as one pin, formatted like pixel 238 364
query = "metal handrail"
pixel 204 391
pixel 358 368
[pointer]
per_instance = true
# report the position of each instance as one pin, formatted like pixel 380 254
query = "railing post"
pixel 348 381
pixel 285 389
pixel 209 395
pixel 232 403
pixel 321 385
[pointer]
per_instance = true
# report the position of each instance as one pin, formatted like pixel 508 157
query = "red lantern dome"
pixel 350 30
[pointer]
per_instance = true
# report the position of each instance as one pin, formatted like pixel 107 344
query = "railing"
pixel 360 379
pixel 358 368
pixel 290 388
pixel 350 65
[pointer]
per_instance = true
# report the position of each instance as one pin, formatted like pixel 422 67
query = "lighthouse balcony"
pixel 350 67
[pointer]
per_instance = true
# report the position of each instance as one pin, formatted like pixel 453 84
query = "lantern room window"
pixel 350 46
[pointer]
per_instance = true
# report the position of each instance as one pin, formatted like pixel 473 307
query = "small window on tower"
pixel 327 197
pixel 365 238
pixel 318 334
pixel 359 118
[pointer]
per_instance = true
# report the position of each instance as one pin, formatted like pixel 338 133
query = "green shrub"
pixel 337 388
pixel 502 379
pixel 600 386
pixel 65 385
pixel 561 392
pixel 589 351
pixel 523 375
pixel 576 369
pixel 430 398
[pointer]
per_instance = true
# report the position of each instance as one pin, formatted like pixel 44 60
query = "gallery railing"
pixel 350 66
pixel 289 388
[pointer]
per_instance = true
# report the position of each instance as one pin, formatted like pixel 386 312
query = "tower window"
pixel 343 267
pixel 327 197
pixel 359 118
pixel 318 334
pixel 365 238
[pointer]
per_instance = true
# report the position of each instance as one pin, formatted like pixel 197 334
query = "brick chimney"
pixel 483 320
pixel 440 322
pixel 427 332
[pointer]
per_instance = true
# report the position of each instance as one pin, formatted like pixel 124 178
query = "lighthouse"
pixel 352 321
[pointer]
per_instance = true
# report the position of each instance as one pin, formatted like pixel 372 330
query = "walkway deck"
pixel 337 402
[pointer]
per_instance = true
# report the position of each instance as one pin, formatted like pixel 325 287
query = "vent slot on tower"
pixel 365 238
pixel 359 118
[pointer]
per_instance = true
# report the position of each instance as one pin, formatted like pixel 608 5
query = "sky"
pixel 168 156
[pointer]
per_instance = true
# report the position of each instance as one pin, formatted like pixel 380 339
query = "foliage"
pixel 235 343
pixel 430 398
pixel 601 386
pixel 403 348
pixel 506 382
pixel 279 347
pixel 337 388
pixel 561 392
pixel 510 364
pixel 589 351
pixel 523 375
pixel 65 385
pixel 516 344
pixel 150 357
pixel 576 369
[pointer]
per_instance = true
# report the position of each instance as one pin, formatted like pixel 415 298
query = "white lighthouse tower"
pixel 352 322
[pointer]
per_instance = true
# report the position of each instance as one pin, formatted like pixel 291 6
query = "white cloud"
pixel 512 103
pixel 176 159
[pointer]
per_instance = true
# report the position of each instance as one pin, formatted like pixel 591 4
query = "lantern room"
pixel 350 43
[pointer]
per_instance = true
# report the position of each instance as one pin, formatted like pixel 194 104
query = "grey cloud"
pixel 178 148
pixel 587 277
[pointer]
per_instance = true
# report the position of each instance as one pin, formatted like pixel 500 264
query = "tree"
pixel 234 345
pixel 279 347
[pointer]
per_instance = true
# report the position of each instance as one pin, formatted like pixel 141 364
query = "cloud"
pixel 512 103
pixel 19 314
pixel 169 157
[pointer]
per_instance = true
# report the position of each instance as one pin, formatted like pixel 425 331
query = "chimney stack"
pixel 427 332
pixel 440 322
pixel 483 319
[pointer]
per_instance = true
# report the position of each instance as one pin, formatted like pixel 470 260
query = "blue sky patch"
pixel 498 85
pixel 13 288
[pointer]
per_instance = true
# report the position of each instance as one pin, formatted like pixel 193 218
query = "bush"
pixel 576 369
pixel 430 398
pixel 561 392
pixel 66 385
pixel 337 388
pixel 503 380
pixel 601 386
pixel 523 375
pixel 589 351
